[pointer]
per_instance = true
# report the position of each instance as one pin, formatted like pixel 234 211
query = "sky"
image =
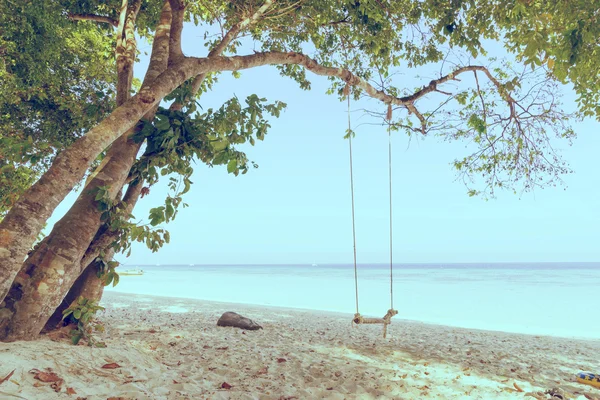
pixel 296 207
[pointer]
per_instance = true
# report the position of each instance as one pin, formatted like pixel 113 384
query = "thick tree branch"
pixel 126 48
pixel 94 18
pixel 279 58
pixel 178 13
pixel 159 57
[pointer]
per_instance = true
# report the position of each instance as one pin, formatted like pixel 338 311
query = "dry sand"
pixel 170 348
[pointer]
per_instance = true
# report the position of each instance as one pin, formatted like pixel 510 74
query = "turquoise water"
pixel 544 299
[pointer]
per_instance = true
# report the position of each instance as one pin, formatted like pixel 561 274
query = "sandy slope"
pixel 171 349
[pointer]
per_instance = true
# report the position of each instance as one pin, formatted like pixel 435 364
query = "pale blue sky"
pixel 295 208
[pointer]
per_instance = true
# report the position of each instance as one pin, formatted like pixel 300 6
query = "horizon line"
pixel 367 263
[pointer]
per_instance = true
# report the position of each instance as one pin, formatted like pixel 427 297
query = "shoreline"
pixel 170 348
pixel 349 315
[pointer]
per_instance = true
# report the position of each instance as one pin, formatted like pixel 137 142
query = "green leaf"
pixel 219 145
pixel 232 166
pixel 169 211
pixel 75 339
pixel 162 123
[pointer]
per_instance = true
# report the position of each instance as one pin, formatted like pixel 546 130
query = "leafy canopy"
pixel 58 80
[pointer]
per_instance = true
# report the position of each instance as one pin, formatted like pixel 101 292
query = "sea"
pixel 556 299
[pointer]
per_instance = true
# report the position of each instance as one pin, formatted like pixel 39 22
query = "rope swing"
pixel 387 318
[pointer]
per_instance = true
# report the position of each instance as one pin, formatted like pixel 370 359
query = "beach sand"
pixel 168 348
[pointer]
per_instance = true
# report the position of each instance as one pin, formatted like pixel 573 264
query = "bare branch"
pixel 95 18
pixel 222 45
pixel 481 98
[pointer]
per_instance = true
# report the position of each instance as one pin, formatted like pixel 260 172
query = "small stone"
pixel 237 321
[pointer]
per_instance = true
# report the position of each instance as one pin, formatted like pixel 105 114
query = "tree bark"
pixel 88 285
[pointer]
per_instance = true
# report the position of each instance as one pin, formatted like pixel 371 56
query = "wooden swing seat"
pixel 386 320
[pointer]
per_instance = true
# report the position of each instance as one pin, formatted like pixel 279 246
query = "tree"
pixel 563 35
pixel 507 115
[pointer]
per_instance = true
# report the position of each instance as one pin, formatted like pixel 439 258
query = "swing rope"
pixel 352 196
pixel 389 118
pixel 359 319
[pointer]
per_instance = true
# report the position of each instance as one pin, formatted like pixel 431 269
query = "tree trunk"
pixel 88 285
pixel 49 272
pixel 45 280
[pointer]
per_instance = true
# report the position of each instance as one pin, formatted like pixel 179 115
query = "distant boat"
pixel 315 265
pixel 132 272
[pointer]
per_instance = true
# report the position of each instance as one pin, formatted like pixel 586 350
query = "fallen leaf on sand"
pixel 226 385
pixel 281 360
pixel 152 331
pixel 57 386
pixel 71 391
pixel 404 376
pixel 223 348
pixel 45 376
pixel 175 382
pixel 517 387
pixel 7 377
pixel 330 388
pixel 116 398
pixel 111 366
pixel 587 396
